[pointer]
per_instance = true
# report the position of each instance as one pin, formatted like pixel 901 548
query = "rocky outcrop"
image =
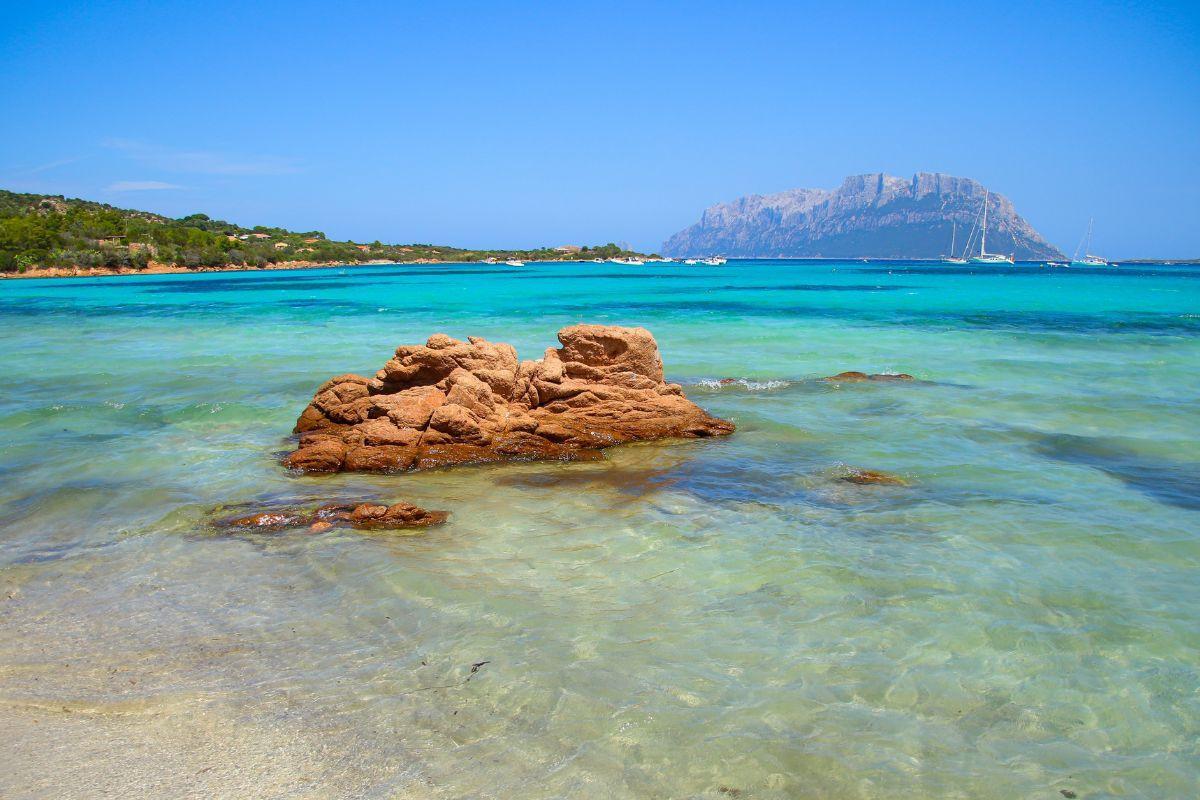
pixel 363 516
pixel 452 402
pixel 868 216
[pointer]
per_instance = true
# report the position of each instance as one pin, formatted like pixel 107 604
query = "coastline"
pixel 156 268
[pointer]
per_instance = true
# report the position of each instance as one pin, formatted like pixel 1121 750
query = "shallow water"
pixel 704 619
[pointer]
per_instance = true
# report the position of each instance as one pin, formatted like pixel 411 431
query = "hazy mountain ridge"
pixel 873 215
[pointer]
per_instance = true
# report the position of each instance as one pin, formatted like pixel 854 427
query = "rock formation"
pixel 452 402
pixel 875 215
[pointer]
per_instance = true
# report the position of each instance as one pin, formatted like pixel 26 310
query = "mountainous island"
pixel 55 236
pixel 868 216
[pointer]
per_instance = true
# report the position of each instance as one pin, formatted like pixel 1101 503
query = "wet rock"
pixel 364 516
pixel 859 377
pixel 451 402
pixel 400 515
pixel 726 381
pixel 267 520
pixel 871 477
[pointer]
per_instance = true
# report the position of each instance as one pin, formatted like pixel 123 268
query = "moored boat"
pixel 953 259
pixel 1088 259
pixel 984 256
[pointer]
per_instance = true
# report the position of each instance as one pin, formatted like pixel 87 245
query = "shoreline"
pixel 156 268
pixel 172 269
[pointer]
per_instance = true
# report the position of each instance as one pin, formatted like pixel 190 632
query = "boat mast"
pixel 983 237
pixel 1087 251
pixel 953 231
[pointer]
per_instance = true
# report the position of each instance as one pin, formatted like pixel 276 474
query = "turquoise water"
pixel 703 619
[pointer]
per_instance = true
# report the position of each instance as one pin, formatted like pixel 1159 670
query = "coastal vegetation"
pixel 41 232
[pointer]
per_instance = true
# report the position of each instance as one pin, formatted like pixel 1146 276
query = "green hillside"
pixel 43 231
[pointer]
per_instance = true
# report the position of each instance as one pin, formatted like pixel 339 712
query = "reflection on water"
pixel 705 619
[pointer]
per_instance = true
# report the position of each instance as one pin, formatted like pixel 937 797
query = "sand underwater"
pixel 713 618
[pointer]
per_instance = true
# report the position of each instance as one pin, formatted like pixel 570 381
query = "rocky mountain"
pixel 868 216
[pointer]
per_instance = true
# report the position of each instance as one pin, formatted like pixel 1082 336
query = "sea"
pixel 716 618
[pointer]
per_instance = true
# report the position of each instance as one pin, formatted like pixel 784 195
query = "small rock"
pixel 267 519
pixel 848 377
pixel 726 381
pixel 375 516
pixel 860 377
pixel 400 515
pixel 871 477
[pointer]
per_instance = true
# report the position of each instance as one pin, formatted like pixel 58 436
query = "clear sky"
pixel 510 124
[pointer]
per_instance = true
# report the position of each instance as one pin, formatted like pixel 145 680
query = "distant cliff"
pixel 869 216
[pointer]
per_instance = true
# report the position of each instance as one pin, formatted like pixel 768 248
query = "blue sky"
pixel 522 124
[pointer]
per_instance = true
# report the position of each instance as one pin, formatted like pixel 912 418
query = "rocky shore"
pixel 451 402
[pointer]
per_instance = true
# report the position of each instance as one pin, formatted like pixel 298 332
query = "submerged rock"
pixel 267 520
pixel 872 477
pixel 364 516
pixel 451 402
pixel 857 377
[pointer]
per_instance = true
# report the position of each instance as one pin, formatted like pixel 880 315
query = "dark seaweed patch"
pixel 206 287
pixel 1171 482
pixel 1031 271
pixel 799 287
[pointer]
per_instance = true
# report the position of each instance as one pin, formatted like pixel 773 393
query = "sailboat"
pixel 1088 259
pixel 984 256
pixel 953 259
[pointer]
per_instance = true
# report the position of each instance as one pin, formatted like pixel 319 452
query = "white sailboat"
pixel 953 259
pixel 1088 259
pixel 984 256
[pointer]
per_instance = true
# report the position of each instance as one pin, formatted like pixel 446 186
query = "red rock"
pixel 373 516
pixel 400 515
pixel 267 519
pixel 451 402
pixel 726 381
